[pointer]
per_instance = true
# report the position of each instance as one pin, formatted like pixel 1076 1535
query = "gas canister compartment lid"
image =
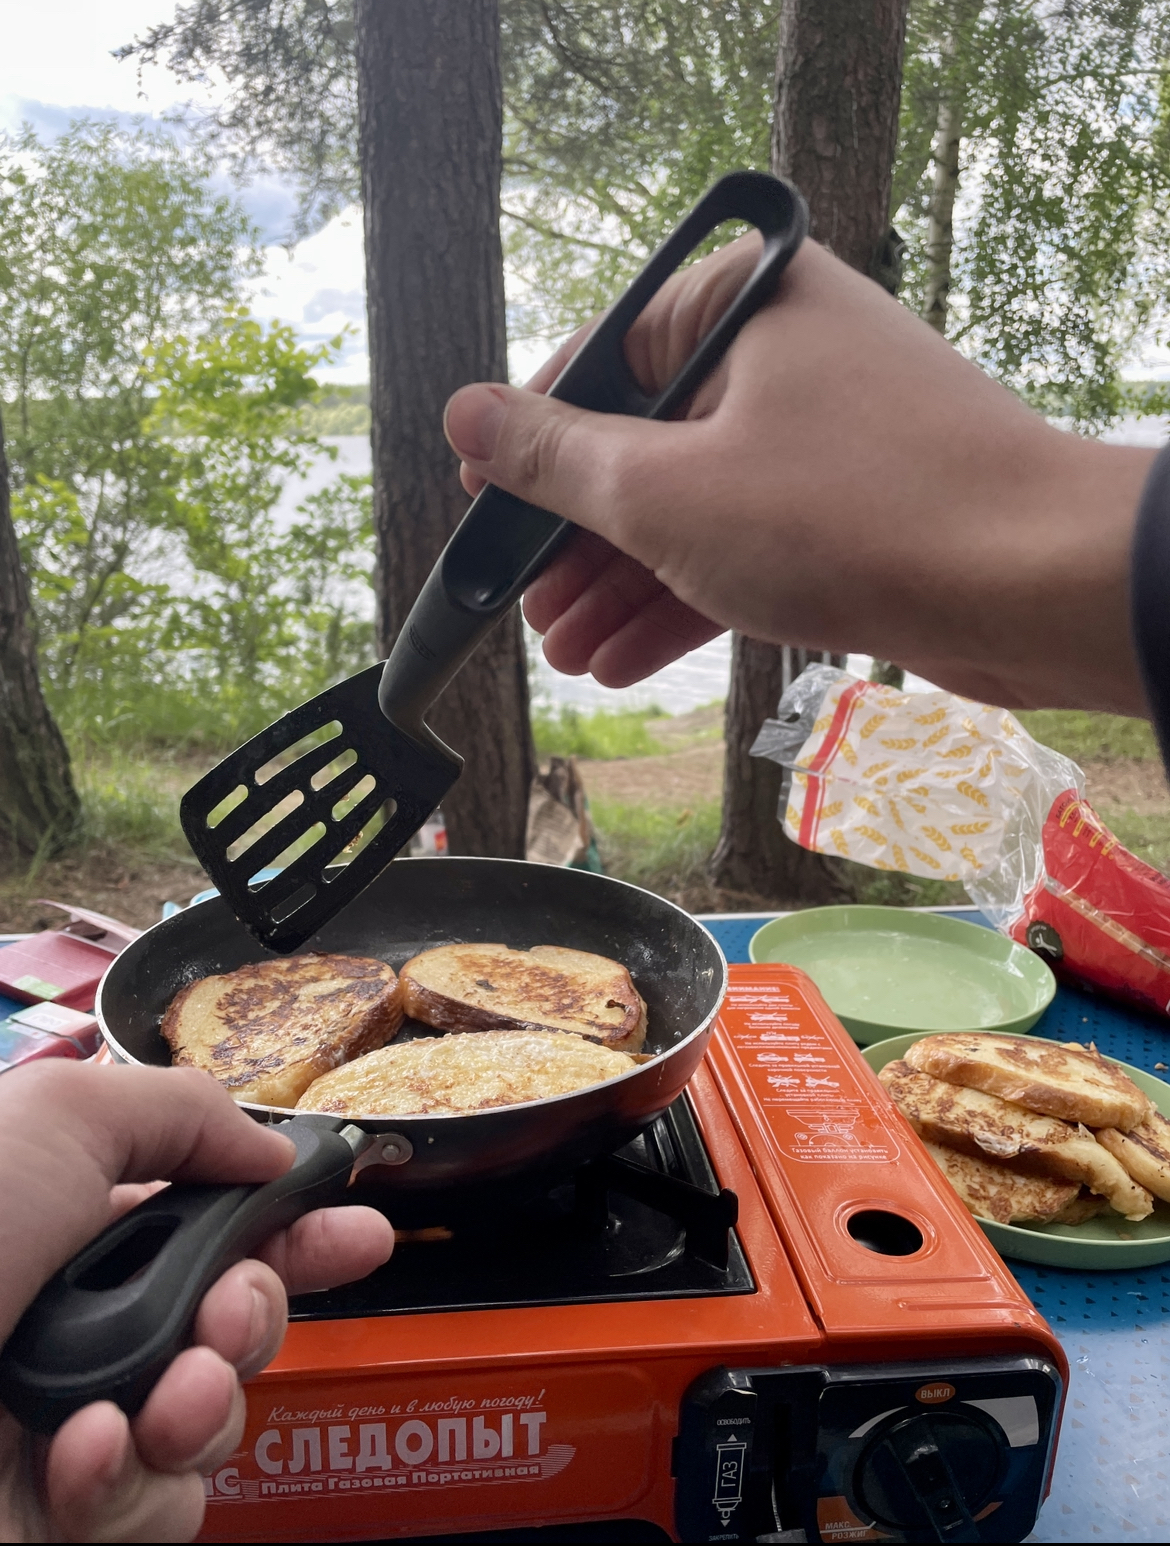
pixel 955 1451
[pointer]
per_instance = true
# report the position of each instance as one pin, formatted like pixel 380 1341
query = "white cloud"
pixel 60 51
pixel 319 287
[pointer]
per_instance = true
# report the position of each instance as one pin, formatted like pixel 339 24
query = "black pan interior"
pixel 416 904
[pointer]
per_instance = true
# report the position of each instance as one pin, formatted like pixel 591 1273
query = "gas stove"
pixel 768 1318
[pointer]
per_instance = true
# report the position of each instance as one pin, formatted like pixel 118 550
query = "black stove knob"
pixel 932 1471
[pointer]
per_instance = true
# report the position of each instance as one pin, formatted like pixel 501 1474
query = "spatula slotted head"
pixel 334 783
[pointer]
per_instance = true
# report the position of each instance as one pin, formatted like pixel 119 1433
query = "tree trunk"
pixel 835 131
pixel 940 233
pixel 431 106
pixel 753 855
pixel 39 808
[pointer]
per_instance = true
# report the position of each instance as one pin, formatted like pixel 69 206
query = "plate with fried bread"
pixel 1061 1154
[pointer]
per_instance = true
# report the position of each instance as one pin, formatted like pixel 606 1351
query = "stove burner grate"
pixel 649 1222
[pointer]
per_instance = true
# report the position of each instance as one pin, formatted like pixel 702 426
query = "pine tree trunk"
pixel 838 83
pixel 753 855
pixel 431 107
pixel 39 808
pixel 940 234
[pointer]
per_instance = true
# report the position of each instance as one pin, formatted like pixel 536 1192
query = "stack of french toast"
pixel 1033 1132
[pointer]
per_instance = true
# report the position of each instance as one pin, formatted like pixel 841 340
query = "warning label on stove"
pixel 835 1136
pixel 804 1080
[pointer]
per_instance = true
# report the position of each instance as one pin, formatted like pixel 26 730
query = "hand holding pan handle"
pixel 503 543
pixel 108 1324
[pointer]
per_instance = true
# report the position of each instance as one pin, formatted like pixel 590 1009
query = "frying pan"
pixel 109 1323
pixel 417 904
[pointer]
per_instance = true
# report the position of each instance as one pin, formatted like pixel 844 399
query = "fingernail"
pixel 258 1328
pixel 472 422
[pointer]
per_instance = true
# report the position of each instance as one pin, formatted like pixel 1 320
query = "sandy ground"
pixel 690 777
pixel 1128 785
pixel 103 881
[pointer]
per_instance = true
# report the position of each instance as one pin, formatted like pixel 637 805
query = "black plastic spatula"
pixel 358 759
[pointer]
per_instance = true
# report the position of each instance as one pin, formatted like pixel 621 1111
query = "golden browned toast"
pixel 267 1030
pixel 1071 1082
pixel 992 1191
pixel 495 988
pixel 1144 1152
pixel 990 1128
pixel 439 1074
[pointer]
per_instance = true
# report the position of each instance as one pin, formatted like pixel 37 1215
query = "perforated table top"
pixel 1112 1477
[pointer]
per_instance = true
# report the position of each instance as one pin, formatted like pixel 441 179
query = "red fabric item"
pixel 1100 915
pixel 54 967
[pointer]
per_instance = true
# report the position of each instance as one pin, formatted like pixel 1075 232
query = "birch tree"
pixel 1032 185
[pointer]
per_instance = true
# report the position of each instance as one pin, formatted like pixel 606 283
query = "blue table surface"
pixel 1112 1477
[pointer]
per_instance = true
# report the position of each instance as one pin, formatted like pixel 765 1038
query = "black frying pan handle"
pixel 503 543
pixel 108 1324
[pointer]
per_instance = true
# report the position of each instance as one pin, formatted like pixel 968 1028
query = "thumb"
pixel 570 461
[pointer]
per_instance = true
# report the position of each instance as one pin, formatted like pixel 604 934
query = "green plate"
pixel 884 970
pixel 1099 1245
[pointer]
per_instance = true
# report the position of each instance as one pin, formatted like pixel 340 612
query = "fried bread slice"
pixel 495 988
pixel 990 1128
pixel 992 1191
pixel 267 1030
pixel 1144 1152
pixel 1071 1082
pixel 464 1073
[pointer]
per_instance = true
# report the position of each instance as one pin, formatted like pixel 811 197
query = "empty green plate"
pixel 885 970
pixel 1105 1244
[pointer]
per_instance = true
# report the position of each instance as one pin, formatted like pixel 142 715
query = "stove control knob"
pixel 931 1471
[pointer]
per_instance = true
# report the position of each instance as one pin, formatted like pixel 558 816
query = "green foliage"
pixel 1087 737
pixel 603 734
pixel 338 410
pixel 290 103
pixel 620 113
pixel 131 801
pixel 152 426
pixel 1062 255
pixel 665 850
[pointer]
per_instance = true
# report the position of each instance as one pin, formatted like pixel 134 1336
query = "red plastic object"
pixel 57 1020
pixel 54 967
pixel 1099 915
pixel 20 1045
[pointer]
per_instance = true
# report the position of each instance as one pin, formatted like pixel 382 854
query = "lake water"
pixel 701 676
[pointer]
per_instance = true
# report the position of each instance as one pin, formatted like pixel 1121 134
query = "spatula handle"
pixel 108 1324
pixel 503 543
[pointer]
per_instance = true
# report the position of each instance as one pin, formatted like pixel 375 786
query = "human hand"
pixel 844 481
pixel 71 1137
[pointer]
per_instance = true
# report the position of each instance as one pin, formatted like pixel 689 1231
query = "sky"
pixel 56 66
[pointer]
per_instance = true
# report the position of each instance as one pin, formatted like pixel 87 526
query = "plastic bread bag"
pixel 938 786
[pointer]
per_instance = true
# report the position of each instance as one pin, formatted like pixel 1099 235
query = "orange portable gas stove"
pixel 768 1318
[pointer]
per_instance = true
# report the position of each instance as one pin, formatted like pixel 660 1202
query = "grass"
pixel 131 799
pixel 605 734
pixel 1088 737
pixel 663 850
pixel 1147 836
